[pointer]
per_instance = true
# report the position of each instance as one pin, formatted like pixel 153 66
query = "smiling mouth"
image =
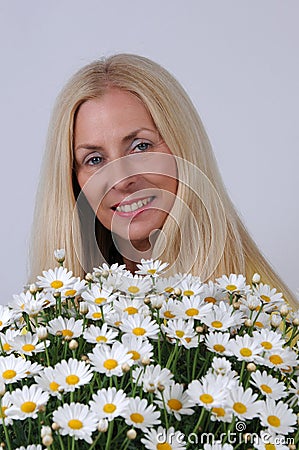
pixel 131 207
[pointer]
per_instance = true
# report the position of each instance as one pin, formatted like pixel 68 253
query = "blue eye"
pixel 95 160
pixel 142 146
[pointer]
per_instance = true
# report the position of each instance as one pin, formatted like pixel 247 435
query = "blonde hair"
pixel 58 223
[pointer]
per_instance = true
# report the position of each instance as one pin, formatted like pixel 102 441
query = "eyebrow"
pixel 124 140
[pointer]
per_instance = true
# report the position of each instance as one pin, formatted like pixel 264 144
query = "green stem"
pixel 95 441
pixel 110 431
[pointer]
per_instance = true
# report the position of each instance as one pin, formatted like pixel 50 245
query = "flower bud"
pixel 296 321
pixel 47 440
pixel 83 308
pixel 284 310
pixel 125 368
pixel 147 300
pixel 177 291
pixel 33 288
pixel 248 323
pixel 236 305
pixel 145 361
pixel 42 333
pixel 256 278
pixel 56 294
pixel 157 301
pixel 59 255
pixel 105 274
pixel 103 425
pixel 73 345
pixel 45 431
pixel 131 434
pixel 276 320
pixel 199 329
pixel 251 367
pixel 55 426
pixel 88 277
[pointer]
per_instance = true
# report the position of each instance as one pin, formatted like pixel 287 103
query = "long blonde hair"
pixel 58 223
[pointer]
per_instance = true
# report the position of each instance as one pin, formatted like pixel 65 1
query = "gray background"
pixel 239 62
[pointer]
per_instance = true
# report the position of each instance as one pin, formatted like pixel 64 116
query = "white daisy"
pixel 99 295
pixel 166 285
pixel 68 328
pixel 6 316
pixel 4 405
pixel 246 348
pixel 26 302
pixel 221 414
pixel 26 402
pixel 177 402
pixel 56 280
pixel 233 284
pixel 151 267
pixel 140 326
pixel 267 442
pixel 164 439
pixel 210 392
pixel 269 339
pixel 109 360
pixel 192 308
pixel 100 335
pixel 27 344
pixel 47 380
pixel 268 385
pixel 221 366
pixel 109 403
pixel 268 296
pixel 243 403
pixel 96 312
pixel 211 293
pixel 72 374
pixel 76 420
pixel 77 288
pixel 13 368
pixel 130 306
pixel 7 340
pixel 190 286
pixel 151 378
pixel 136 286
pixel 169 309
pixel 179 329
pixel 277 417
pixel 283 359
pixel 138 348
pixel 140 414
pixel 223 317
pixel 218 343
pixel 30 447
pixel 294 390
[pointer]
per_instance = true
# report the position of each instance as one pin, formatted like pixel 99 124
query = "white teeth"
pixel 133 206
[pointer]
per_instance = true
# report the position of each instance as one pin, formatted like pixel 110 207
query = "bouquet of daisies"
pixel 117 361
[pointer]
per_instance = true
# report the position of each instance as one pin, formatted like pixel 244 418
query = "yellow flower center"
pixel 266 389
pixel 245 352
pixel 101 339
pixel 179 333
pixel 210 300
pixel 270 447
pixel 109 408
pixel 219 348
pixel 131 310
pixel 6 347
pixel 169 315
pixel 188 293
pixel 56 284
pixel 75 424
pixel 54 386
pixel 137 418
pixel 192 312
pixel 276 359
pixel 72 379
pixel 133 289
pixel 175 404
pixel 206 398
pixel 265 298
pixel 169 289
pixel 231 287
pixel 67 333
pixel 97 315
pixel 220 412
pixel 9 374
pixel 240 408
pixel 99 300
pixel 70 293
pixel 2 412
pixel 274 421
pixel 139 331
pixel 267 345
pixel 28 407
pixel 259 324
pixel 135 355
pixel 1 323
pixel 163 446
pixel 152 271
pixel 28 347
pixel 110 364
pixel 217 324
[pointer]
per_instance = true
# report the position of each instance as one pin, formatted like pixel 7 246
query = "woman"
pixel 124 131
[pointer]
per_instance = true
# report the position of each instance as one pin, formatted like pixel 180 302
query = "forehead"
pixel 115 107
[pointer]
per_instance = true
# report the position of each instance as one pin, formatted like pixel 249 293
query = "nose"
pixel 124 177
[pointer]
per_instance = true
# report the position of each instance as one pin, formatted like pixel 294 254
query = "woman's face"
pixel 123 166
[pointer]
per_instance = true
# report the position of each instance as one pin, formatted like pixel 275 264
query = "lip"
pixel 137 211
